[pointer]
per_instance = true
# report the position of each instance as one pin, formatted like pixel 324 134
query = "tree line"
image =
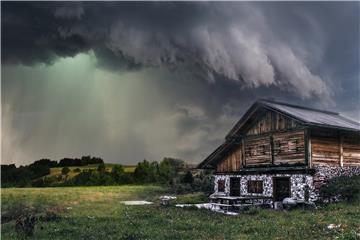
pixel 12 176
pixel 169 171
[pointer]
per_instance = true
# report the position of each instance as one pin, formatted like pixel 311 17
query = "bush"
pixel 46 181
pixel 101 168
pixel 65 170
pixel 188 178
pixel 146 172
pixel 77 170
pixel 341 188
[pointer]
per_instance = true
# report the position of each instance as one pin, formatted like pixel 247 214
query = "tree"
pixel 101 168
pixel 166 171
pixel 188 178
pixel 24 176
pixel 65 171
pixel 176 163
pixel 39 170
pixel 118 173
pixel 85 160
pixel 142 172
pixel 44 162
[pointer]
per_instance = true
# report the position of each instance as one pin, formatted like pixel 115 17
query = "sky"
pixel 128 81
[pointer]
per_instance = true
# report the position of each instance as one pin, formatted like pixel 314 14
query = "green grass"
pixel 97 213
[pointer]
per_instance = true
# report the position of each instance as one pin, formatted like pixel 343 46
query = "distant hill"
pixel 56 171
pixel 92 171
pixel 24 176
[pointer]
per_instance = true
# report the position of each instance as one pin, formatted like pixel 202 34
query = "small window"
pixel 255 186
pixel 221 185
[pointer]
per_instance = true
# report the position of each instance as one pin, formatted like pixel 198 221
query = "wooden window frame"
pixel 255 186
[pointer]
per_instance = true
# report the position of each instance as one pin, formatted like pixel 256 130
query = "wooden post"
pixel 341 151
pixel 309 152
pixel 272 149
pixel 243 153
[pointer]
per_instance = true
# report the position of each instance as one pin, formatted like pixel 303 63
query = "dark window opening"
pixel 255 186
pixel 221 185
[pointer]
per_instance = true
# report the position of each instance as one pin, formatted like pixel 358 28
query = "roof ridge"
pixel 262 100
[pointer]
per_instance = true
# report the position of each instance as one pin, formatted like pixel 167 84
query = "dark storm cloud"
pixel 256 44
pixel 217 58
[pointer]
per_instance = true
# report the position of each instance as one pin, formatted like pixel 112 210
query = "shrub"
pixel 45 181
pixel 146 172
pixel 341 188
pixel 77 170
pixel 118 174
pixel 101 168
pixel 188 178
pixel 65 170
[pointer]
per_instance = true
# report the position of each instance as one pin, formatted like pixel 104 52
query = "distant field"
pixel 96 213
pixel 57 170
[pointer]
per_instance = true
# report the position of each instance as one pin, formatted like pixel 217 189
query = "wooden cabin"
pixel 279 150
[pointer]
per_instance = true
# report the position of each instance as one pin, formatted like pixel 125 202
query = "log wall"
pixel 232 162
pixel 340 150
pixel 277 148
pixel 351 150
pixel 289 147
pixel 325 151
pixel 258 151
pixel 272 121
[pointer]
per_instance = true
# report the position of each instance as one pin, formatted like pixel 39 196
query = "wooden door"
pixel 235 186
pixel 281 188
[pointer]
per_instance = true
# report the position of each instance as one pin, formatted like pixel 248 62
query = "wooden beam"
pixel 309 153
pixel 307 143
pixel 272 149
pixel 341 150
pixel 243 153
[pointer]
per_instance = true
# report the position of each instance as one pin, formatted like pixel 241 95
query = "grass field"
pixel 57 170
pixel 97 213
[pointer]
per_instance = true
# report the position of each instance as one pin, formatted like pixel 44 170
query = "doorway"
pixel 234 186
pixel 281 188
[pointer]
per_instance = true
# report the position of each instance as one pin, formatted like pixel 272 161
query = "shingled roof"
pixel 305 115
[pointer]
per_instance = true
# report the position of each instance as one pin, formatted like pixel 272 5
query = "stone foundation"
pixel 300 183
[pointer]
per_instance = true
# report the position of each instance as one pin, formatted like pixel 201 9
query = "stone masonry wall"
pixel 324 173
pixel 299 182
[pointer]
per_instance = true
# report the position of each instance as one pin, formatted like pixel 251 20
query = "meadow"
pixel 97 213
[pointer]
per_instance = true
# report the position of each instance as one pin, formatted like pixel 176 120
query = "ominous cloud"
pixel 170 78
